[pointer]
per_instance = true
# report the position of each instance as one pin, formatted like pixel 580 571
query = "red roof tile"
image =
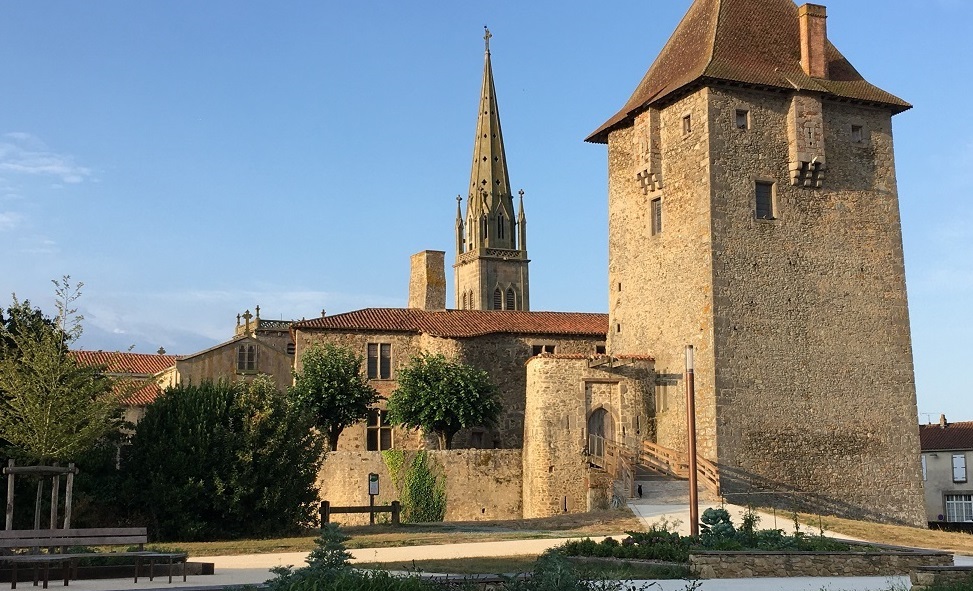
pixel 131 363
pixel 754 42
pixel 953 436
pixel 144 395
pixel 463 323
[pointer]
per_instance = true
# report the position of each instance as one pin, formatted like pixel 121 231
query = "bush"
pixel 222 460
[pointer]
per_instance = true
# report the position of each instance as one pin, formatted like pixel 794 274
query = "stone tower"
pixel 491 240
pixel 753 213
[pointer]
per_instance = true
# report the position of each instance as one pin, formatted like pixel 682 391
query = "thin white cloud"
pixel 24 154
pixel 9 220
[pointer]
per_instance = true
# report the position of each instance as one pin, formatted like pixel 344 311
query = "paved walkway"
pixel 255 569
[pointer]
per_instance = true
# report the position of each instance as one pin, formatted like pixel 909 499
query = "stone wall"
pixel 804 376
pixel 220 362
pixel 740 565
pixel 503 356
pixel 928 577
pixel 480 484
pixel 562 393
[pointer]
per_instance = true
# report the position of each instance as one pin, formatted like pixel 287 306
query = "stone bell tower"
pixel 491 239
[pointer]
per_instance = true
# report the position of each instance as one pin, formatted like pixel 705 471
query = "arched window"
pixel 472 302
pixel 246 358
pixel 483 228
pixel 511 300
pixel 500 223
pixel 464 301
pixel 497 299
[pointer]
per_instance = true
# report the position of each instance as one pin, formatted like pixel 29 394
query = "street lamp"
pixel 691 431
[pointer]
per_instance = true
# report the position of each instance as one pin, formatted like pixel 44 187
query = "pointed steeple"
pixel 490 203
pixel 491 239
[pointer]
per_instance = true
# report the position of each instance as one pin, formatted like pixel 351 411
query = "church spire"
pixel 491 243
pixel 490 204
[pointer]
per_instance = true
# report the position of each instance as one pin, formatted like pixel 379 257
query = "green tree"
pixel 443 396
pixel 223 460
pixel 333 388
pixel 51 408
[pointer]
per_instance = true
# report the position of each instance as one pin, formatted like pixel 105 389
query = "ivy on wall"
pixel 420 484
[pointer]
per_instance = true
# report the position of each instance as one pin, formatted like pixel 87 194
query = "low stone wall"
pixel 889 561
pixel 481 484
pixel 926 577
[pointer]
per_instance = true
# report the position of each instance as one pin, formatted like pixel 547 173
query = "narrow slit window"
pixel 765 201
pixel 656 212
pixel 500 226
pixel 687 124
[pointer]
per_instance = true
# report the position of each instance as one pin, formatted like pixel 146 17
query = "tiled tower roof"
pixel 750 42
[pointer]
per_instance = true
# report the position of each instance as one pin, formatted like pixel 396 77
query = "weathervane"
pixel 486 37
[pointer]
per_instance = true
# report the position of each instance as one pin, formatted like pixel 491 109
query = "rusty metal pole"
pixel 691 429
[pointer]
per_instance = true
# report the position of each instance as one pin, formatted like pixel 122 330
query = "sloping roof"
pixel 463 323
pixel 754 42
pixel 953 436
pixel 144 395
pixel 130 363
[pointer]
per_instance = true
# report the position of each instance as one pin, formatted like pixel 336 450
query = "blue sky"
pixel 190 160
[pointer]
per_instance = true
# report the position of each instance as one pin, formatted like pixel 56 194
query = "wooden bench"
pixel 57 541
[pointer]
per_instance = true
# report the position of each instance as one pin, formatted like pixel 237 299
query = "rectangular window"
pixel 378 431
pixel 379 361
pixel 687 124
pixel 959 467
pixel 959 508
pixel 538 349
pixel 765 201
pixel 600 350
pixel 656 211
pixel 742 119
pixel 856 134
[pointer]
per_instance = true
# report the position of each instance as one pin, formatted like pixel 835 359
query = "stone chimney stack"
pixel 427 282
pixel 814 38
pixel 942 421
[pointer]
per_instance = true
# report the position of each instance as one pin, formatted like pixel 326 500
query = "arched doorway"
pixel 599 430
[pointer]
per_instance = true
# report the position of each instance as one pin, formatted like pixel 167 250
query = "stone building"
pixel 947 449
pixel 753 214
pixel 491 244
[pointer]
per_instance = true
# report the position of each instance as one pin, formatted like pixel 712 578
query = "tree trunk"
pixel 449 439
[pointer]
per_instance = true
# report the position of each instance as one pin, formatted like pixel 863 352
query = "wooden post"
pixel 10 496
pixel 325 512
pixel 55 490
pixel 37 503
pixel 691 429
pixel 69 496
pixel 396 510
pixel 371 509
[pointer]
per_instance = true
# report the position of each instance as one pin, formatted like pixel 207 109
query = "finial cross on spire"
pixel 486 37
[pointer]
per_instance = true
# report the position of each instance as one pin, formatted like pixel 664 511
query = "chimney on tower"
pixel 814 38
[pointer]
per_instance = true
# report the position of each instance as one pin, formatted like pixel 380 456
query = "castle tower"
pixel 491 240
pixel 753 213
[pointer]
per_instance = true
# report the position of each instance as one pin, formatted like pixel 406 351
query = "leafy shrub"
pixel 221 460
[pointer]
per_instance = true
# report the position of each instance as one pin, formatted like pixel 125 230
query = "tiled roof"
pixel 462 323
pixel 144 395
pixel 131 363
pixel 952 436
pixel 754 42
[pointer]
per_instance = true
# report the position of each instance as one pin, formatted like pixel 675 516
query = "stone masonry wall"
pixel 660 285
pixel 740 565
pixel 814 381
pixel 480 484
pixel 562 392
